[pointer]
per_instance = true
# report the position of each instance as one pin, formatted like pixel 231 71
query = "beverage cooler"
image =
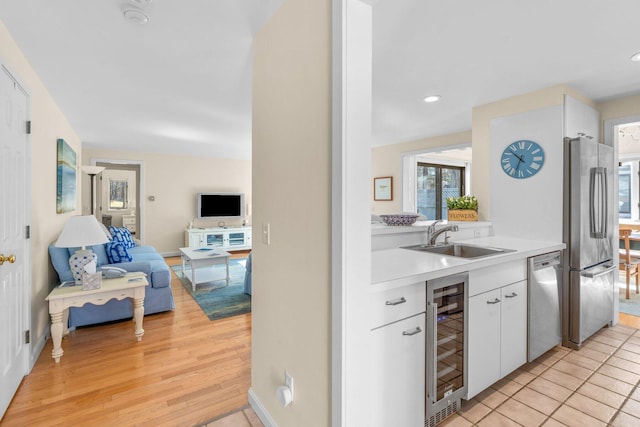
pixel 446 345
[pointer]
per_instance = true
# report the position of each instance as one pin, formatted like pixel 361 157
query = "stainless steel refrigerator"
pixel 588 233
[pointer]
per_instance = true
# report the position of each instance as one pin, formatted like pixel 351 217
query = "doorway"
pixel 15 252
pixel 118 193
pixel 624 135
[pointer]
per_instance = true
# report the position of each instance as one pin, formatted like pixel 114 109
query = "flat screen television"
pixel 220 205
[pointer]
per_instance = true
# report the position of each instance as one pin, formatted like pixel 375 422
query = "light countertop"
pixel 400 267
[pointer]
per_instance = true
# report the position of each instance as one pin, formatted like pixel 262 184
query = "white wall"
pixel 529 208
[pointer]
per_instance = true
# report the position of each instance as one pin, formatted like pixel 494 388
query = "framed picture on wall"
pixel 383 188
pixel 66 178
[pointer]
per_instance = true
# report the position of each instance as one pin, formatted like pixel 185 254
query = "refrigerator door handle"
pixel 591 275
pixel 598 203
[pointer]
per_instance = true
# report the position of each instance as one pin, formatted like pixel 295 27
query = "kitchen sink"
pixel 459 250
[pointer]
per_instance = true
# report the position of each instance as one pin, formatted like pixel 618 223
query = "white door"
pixel 14 271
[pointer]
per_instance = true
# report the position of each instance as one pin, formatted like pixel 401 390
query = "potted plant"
pixel 462 208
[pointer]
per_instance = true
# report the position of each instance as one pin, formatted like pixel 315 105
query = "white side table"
pixel 132 285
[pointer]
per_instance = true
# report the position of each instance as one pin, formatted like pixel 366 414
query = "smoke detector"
pixel 136 16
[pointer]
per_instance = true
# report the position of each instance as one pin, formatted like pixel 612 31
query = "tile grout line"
pixel 573 392
pixel 619 410
pixel 592 374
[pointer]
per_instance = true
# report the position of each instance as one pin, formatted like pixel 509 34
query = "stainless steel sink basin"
pixel 459 250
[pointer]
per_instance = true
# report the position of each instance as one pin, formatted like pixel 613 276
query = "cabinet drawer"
pixel 396 304
pixel 497 276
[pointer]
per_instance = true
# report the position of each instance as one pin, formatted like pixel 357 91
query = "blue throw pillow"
pixel 117 252
pixel 128 238
pixel 122 235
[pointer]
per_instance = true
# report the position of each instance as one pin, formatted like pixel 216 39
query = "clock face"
pixel 522 159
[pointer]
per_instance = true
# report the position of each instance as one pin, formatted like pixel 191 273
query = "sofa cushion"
pixel 122 235
pixel 60 259
pixel 117 252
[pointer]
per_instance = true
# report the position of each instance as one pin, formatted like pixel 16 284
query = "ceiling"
pixel 182 82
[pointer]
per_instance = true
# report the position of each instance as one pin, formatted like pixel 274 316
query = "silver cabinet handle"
pixel 401 300
pixel 513 295
pixel 417 330
pixel 495 301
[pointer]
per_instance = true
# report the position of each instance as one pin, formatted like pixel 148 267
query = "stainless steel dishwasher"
pixel 544 289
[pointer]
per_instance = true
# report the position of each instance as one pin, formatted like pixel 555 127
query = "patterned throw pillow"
pixel 117 252
pixel 122 235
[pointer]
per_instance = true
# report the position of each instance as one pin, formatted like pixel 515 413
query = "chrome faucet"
pixel 432 233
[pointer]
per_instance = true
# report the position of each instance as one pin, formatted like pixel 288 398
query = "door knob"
pixel 11 259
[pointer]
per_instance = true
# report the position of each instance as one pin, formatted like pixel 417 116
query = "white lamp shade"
pixel 81 231
pixel 92 170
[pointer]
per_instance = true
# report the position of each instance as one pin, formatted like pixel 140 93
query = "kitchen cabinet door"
pixel 513 349
pixel 398 383
pixel 484 341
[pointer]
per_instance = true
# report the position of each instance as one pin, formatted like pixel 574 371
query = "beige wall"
pixel 387 161
pixel 292 192
pixel 174 180
pixel 621 107
pixel 49 124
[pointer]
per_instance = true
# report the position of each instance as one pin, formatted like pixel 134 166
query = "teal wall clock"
pixel 522 159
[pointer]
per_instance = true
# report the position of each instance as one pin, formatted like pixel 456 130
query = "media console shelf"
pixel 227 238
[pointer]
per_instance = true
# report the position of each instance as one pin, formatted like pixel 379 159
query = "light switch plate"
pixel 266 233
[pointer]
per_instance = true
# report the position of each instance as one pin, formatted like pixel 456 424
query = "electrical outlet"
pixel 288 381
pixel 266 233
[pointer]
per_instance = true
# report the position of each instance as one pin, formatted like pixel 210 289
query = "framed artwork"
pixel 65 178
pixel 118 194
pixel 383 188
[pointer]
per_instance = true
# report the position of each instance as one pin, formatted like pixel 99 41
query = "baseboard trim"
pixel 169 254
pixel 36 350
pixel 260 410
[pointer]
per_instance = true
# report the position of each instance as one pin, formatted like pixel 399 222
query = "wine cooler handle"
pixel 434 350
pixel 417 330
pixel 400 300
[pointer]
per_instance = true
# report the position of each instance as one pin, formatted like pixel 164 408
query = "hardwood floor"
pixel 186 371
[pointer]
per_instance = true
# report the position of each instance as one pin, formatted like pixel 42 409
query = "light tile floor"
pixel 597 385
pixel 244 417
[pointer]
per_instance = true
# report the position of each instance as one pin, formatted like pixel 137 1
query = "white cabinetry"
pixel 230 238
pixel 129 221
pixel 497 324
pixel 398 357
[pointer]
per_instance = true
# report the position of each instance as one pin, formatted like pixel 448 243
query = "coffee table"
pixel 203 257
pixel 132 285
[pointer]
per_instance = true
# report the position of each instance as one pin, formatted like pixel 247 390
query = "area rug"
pixel 215 299
pixel 631 305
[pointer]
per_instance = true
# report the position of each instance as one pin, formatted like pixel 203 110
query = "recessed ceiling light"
pixel 432 98
pixel 136 16
pixel 636 57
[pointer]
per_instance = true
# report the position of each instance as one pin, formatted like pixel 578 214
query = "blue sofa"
pixel 158 295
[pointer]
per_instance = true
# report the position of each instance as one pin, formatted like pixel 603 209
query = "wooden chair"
pixel 630 264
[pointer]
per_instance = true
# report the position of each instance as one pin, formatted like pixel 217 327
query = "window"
pixel 624 190
pixel 118 194
pixel 434 184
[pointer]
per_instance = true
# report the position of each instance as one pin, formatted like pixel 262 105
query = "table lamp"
pixel 81 231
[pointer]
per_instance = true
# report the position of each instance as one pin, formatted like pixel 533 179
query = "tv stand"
pixel 228 238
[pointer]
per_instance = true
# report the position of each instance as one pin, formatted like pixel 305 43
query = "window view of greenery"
pixel 624 190
pixel 434 184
